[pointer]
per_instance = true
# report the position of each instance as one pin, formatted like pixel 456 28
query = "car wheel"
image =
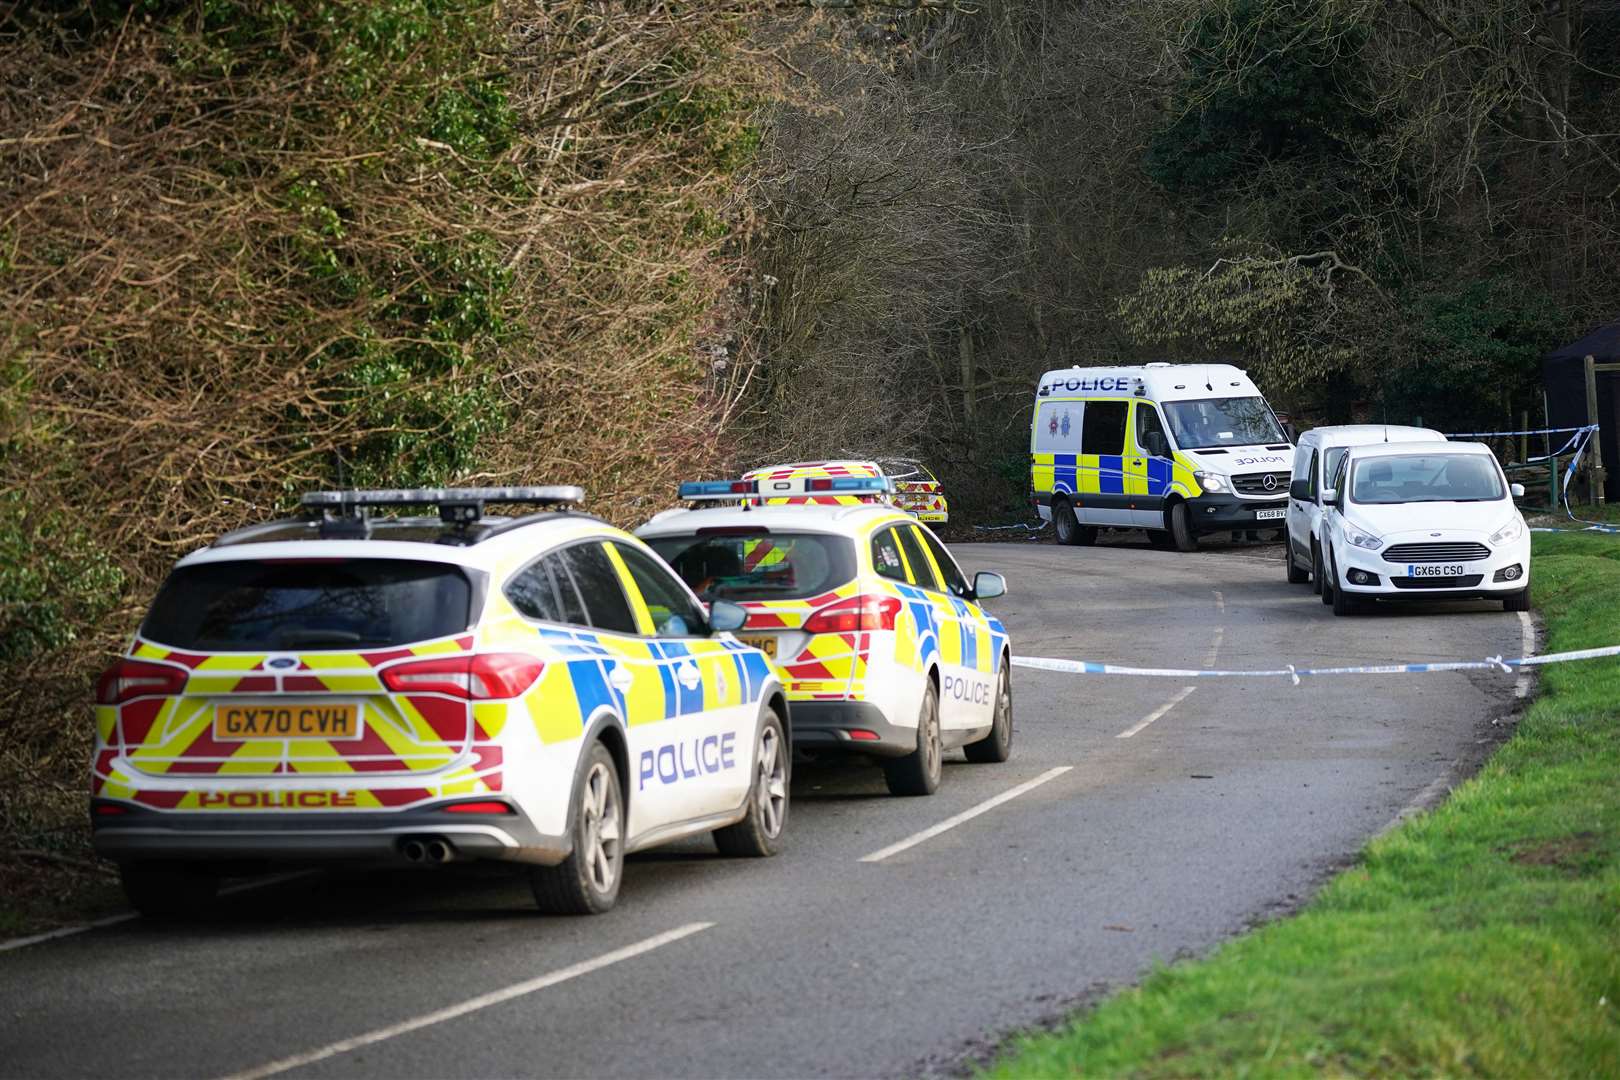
pixel 996 746
pixel 587 882
pixel 759 833
pixel 1181 528
pixel 1344 603
pixel 918 772
pixel 1519 601
pixel 1296 576
pixel 169 890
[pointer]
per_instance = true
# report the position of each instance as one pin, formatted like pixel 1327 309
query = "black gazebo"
pixel 1563 373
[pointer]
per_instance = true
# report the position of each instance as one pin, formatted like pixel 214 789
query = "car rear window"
pixel 749 564
pixel 309 604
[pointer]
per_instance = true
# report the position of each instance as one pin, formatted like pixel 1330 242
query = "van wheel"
pixel 1296 576
pixel 1069 529
pixel 587 882
pixel 1181 528
pixel 1519 601
pixel 1316 567
pixel 1324 578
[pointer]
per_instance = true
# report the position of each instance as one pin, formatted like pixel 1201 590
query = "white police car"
pixel 538 689
pixel 883 646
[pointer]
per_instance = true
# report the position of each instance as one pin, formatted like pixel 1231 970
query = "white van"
pixel 1177 449
pixel 1319 452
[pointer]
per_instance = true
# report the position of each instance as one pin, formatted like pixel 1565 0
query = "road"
pixel 1183 813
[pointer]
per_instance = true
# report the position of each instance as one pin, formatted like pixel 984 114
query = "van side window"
pixel 1311 471
pixel 1057 427
pixel 1148 424
pixel 1105 427
pixel 1331 461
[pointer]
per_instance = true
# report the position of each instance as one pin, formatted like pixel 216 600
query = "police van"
pixel 1180 450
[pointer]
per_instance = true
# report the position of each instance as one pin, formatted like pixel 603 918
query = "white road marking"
pixel 1215 647
pixel 1157 713
pixel 128 916
pixel 966 815
pixel 1527 646
pixel 482 1001
pixel 1220 601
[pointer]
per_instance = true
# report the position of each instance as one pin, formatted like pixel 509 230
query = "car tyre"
pixel 1518 601
pixel 1345 603
pixel 587 882
pixel 759 833
pixel 1296 576
pixel 169 890
pixel 919 772
pixel 996 747
pixel 1181 528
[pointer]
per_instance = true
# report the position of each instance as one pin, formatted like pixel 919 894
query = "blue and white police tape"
pixel 1295 673
pixel 1012 528
pixel 1530 431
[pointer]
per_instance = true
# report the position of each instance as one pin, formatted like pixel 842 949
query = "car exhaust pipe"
pixel 413 850
pixel 438 851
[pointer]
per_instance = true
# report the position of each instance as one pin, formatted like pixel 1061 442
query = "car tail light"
pixel 863 612
pixel 479 677
pixel 138 678
pixel 480 806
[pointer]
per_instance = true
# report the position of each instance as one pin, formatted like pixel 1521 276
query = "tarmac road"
pixel 1228 803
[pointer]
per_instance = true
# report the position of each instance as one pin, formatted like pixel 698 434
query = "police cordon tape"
pixel 1295 673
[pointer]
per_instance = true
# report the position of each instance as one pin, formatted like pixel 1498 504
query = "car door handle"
pixel 687 674
pixel 621 677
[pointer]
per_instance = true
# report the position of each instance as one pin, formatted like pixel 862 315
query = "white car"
pixel 423 690
pixel 884 649
pixel 1316 458
pixel 1423 521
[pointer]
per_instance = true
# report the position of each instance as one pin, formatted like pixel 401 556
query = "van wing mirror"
pixel 1517 490
pixel 726 617
pixel 987 585
pixel 1330 496
pixel 1300 489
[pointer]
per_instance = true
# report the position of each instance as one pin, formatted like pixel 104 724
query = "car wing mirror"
pixel 1517 490
pixel 726 617
pixel 1299 489
pixel 987 585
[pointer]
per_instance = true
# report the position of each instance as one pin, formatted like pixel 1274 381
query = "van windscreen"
pixel 746 564
pixel 244 605
pixel 1239 421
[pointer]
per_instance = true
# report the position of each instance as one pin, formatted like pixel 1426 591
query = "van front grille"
pixel 1257 483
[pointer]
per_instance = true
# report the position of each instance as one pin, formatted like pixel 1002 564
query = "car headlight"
pixel 1211 482
pixel 1508 533
pixel 1362 539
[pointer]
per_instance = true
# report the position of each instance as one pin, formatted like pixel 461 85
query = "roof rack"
pixel 346 514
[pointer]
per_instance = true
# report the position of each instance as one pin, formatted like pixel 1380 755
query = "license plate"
pixel 290 720
pixel 766 645
pixel 1269 515
pixel 1437 570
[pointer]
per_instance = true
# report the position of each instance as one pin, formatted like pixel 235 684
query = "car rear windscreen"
pixel 757 564
pixel 309 604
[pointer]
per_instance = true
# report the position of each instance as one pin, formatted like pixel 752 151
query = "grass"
pixel 1482 939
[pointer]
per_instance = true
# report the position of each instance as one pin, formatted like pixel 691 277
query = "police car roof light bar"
pixel 707 490
pixel 850 484
pixel 344 514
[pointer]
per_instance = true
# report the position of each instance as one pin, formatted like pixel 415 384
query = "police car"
pixel 809 483
pixel 882 643
pixel 917 489
pixel 539 689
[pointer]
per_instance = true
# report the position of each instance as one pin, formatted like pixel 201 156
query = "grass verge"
pixel 1480 939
